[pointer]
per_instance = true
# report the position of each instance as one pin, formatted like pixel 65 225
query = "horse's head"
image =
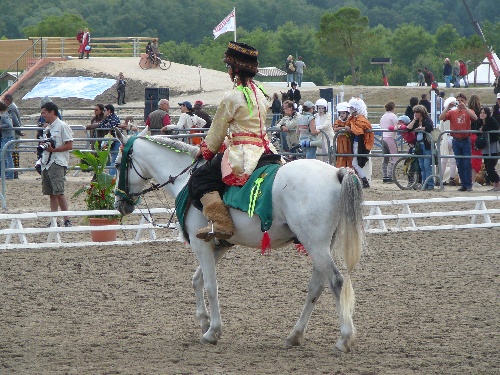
pixel 132 177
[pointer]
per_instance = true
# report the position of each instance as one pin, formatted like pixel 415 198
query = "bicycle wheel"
pixel 405 173
pixel 164 64
pixel 145 63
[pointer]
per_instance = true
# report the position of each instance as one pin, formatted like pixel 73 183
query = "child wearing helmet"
pixel 323 120
pixel 363 137
pixel 344 144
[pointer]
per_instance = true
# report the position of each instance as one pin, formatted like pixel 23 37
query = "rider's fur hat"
pixel 242 56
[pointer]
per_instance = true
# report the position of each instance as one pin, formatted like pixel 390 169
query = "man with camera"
pixel 57 142
pixel 460 120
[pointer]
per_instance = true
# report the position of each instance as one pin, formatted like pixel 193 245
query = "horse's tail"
pixel 349 237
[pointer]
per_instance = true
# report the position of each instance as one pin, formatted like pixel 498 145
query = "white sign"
pixel 227 24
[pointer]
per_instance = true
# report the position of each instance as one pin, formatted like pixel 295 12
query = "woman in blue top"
pixel 421 121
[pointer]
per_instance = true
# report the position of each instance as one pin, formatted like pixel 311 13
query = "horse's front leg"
pixel 206 257
pixel 202 315
pixel 314 290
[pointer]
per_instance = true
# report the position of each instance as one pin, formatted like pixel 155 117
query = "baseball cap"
pixel 404 119
pixel 187 104
pixel 308 104
pixel 198 102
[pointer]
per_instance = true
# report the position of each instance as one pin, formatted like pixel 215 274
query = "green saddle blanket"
pixel 255 197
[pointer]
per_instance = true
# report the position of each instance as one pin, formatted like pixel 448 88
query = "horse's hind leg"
pixel 314 291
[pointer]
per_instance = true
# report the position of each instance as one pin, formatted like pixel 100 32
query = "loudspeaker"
pixel 326 94
pixel 152 96
pixel 156 93
pixel 149 106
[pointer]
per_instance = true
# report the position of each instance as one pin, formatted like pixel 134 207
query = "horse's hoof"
pixel 207 341
pixel 342 346
pixel 292 341
pixel 205 328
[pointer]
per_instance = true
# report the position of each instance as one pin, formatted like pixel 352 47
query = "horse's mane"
pixel 173 144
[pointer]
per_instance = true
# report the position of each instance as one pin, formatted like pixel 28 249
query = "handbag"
pixel 88 48
pixel 481 141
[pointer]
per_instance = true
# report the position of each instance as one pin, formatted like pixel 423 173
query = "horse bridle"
pixel 123 189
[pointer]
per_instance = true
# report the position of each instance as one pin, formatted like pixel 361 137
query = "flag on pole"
pixel 227 24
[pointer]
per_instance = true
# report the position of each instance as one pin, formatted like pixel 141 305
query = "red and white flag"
pixel 227 24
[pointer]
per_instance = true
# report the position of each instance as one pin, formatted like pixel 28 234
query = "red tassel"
pixel 301 249
pixel 266 244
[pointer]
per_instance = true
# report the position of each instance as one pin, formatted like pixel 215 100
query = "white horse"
pixel 318 204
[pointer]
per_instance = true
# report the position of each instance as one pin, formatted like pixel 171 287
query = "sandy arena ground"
pixel 427 303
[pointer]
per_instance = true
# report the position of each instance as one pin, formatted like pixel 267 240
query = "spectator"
pixel 425 102
pixel 495 110
pixel 159 120
pixel 275 109
pixel 323 122
pixel 476 163
pixel 94 123
pixel 7 130
pixel 363 137
pixel 344 143
pixel 290 70
pixel 55 159
pixel 79 37
pixel 447 72
pixel 85 44
pixel 410 138
pixel 294 93
pixel 306 130
pixel 288 126
pixel 409 109
pixel 299 70
pixel 456 74
pixel 188 120
pixel 150 52
pixel 486 123
pixel 446 147
pixel 155 48
pixel 463 73
pixel 420 78
pixel 389 121
pixel 111 121
pixel 428 76
pixel 16 122
pixel 460 119
pixel 120 88
pixel 496 88
pixel 422 122
pixel 200 112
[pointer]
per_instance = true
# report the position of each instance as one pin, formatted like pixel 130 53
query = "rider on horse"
pixel 236 143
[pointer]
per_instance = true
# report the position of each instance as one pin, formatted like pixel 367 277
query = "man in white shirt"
pixel 55 158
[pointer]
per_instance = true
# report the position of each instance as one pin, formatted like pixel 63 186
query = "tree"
pixel 345 33
pixel 63 26
pixel 445 36
pixel 408 42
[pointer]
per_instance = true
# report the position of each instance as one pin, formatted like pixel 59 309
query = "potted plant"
pixel 99 194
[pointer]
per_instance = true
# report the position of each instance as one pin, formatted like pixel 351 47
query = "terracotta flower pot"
pixel 103 235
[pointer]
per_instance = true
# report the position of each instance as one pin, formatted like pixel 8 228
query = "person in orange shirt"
pixel 363 141
pixel 344 143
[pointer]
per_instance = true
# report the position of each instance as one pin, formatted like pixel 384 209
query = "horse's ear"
pixel 121 137
pixel 144 132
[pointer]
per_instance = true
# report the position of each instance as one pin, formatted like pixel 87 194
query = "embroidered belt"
pixel 246 139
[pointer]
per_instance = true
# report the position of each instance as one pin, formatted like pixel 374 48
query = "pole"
pixel 234 10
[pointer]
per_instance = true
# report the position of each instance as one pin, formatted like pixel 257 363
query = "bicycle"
pixel 405 173
pixel 147 62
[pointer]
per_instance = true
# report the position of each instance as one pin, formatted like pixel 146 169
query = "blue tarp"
pixel 70 87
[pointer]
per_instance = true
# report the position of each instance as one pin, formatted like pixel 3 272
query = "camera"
pixel 42 146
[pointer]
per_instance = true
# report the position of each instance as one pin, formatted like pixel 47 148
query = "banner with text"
pixel 227 24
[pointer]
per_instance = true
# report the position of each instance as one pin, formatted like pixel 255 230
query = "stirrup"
pixel 207 236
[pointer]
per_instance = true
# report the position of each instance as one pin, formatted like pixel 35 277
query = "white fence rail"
pixel 18 235
pixel 408 219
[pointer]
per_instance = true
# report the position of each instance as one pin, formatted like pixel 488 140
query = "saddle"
pixel 255 197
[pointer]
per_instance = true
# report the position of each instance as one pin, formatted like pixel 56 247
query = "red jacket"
pixel 463 69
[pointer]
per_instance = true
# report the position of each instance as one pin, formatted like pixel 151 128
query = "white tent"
pixel 485 74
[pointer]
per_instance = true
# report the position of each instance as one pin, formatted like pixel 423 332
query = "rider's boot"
pixel 220 224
